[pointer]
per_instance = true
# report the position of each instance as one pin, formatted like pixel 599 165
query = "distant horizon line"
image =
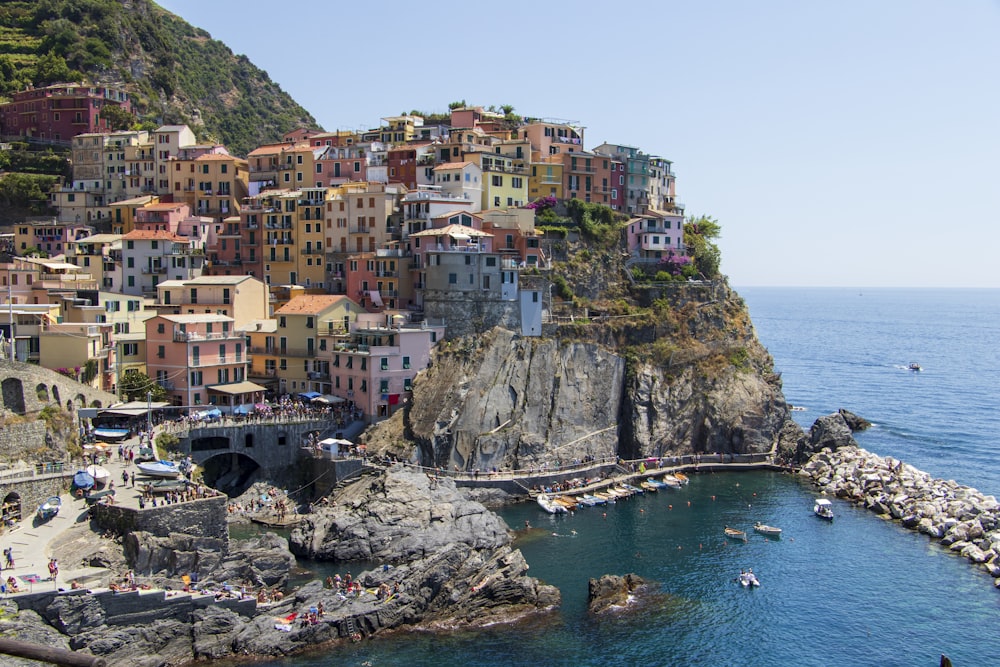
pixel 868 287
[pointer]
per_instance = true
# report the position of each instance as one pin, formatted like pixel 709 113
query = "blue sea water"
pixel 857 591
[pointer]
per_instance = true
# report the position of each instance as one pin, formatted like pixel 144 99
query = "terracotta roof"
pixel 147 234
pixel 450 230
pixel 163 206
pixel 310 304
pixel 452 165
pixel 215 156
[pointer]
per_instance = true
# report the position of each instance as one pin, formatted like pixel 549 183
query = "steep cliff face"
pixel 688 377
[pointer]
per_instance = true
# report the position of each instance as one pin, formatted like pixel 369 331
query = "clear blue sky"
pixel 849 143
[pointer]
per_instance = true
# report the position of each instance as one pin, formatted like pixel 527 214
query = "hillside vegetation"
pixel 176 72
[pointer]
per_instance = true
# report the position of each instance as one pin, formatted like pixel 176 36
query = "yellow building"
pixel 287 352
pixel 546 180
pixel 505 179
pixel 243 298
pixel 293 237
pixel 123 213
pixel 213 184
pixel 83 351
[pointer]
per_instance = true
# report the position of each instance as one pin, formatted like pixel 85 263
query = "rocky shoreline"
pixel 447 563
pixel 959 517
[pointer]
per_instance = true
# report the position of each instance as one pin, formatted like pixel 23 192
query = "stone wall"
pixel 272 445
pixel 16 439
pixel 470 313
pixel 32 491
pixel 27 388
pixel 205 517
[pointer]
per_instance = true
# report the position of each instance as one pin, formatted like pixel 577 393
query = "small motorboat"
pixel 49 508
pixel 767 531
pixel 646 486
pixel 823 509
pixel 167 485
pixel 593 500
pixel 748 579
pixel 83 482
pixel 633 489
pixel 546 503
pixel 672 481
pixel 566 502
pixel 914 366
pixel 585 500
pixel 734 534
pixel 657 483
pixel 166 469
pixel 681 477
pixel 101 475
pixel 606 497
pixel 95 497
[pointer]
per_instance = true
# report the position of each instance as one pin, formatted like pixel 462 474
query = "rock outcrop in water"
pixel 964 520
pixel 612 592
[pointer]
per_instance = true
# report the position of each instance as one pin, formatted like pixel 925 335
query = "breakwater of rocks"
pixel 964 520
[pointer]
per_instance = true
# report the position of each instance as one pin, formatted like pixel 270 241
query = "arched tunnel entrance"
pixel 230 473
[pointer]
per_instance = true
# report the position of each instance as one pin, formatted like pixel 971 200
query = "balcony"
pixel 387 274
pixel 265 373
pixel 503 168
pixel 362 230
pixel 154 270
pixel 316 250
pixel 194 336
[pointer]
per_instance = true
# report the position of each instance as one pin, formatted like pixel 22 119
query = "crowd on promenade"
pixel 284 410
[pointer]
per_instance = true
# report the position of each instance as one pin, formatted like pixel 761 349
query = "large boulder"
pixel 612 592
pixel 830 431
pixel 398 517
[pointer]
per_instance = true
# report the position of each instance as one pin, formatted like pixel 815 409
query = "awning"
pixel 376 298
pixel 310 395
pixel 328 399
pixel 235 388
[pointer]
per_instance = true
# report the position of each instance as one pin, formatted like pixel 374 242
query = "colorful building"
pixel 193 356
pixel 60 111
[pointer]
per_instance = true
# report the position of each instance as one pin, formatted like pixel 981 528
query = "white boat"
pixel 768 531
pixel 748 579
pixel 166 469
pixel 823 509
pixel 547 504
pixel 914 366
pixel 101 475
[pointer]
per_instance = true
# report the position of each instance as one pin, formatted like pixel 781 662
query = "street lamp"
pixel 149 414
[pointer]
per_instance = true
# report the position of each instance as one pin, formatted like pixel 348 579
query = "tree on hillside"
pixel 118 118
pixel 699 236
pixel 456 105
pixel 134 386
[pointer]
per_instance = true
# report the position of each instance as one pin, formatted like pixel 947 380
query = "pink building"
pixel 376 365
pixel 162 217
pixel 60 111
pixel 656 235
pixel 194 357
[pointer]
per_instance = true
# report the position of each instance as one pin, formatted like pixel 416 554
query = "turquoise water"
pixel 857 591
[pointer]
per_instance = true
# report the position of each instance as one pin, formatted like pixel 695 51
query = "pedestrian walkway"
pixel 32 541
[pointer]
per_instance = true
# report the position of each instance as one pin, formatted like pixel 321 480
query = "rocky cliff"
pixel 685 374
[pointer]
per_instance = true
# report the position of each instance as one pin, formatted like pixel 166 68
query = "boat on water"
pixel 607 497
pixel 646 486
pixel 585 500
pixel 681 477
pixel 594 500
pixel 49 508
pixel 101 475
pixel 632 489
pixel 672 481
pixel 622 491
pixel 734 534
pixel 566 502
pixel 914 366
pixel 768 531
pixel 546 503
pixel 823 509
pixel 167 469
pixel 748 579
pixel 657 483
